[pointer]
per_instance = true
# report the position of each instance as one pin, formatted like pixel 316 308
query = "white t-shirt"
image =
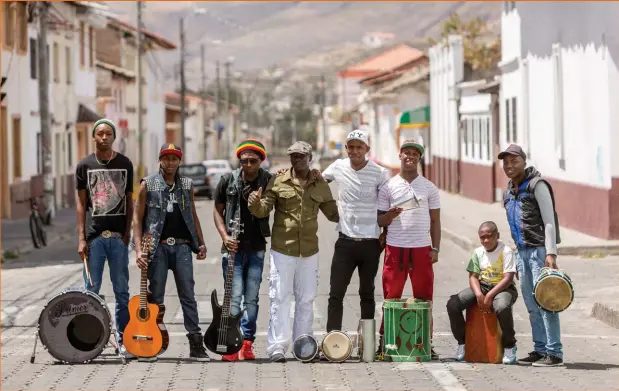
pixel 492 265
pixel 411 229
pixel 357 196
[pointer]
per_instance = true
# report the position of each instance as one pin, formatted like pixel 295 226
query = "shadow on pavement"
pixel 590 366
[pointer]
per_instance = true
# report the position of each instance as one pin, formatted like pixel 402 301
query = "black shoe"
pixel 433 355
pixel 530 359
pixel 197 351
pixel 549 361
pixel 278 357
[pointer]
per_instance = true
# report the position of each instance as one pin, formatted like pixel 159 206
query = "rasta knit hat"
pixel 252 145
pixel 106 122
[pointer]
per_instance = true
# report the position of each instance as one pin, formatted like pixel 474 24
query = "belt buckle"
pixel 170 241
pixel 106 234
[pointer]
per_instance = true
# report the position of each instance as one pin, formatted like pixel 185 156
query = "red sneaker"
pixel 247 352
pixel 230 357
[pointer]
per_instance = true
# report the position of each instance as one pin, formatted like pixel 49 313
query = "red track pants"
pixel 399 264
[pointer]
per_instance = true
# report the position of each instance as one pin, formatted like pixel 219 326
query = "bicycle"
pixel 36 222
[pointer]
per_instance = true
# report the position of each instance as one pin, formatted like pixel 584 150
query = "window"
pixel 70 148
pixel 82 44
pixel 514 121
pixel 9 25
pixel 22 26
pixel 476 139
pixel 507 123
pixel 488 139
pixel 17 147
pixel 33 58
pixel 56 59
pixel 68 63
pixel 91 46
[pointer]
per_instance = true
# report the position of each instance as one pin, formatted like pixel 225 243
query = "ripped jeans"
pixel 246 281
pixel 291 275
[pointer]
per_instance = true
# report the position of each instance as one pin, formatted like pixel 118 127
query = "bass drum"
pixel 75 326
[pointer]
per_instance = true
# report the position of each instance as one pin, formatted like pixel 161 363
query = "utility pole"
pixel 323 103
pixel 218 104
pixel 46 136
pixel 230 121
pixel 182 31
pixel 141 172
pixel 203 96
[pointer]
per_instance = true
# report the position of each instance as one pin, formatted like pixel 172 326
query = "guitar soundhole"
pixel 143 313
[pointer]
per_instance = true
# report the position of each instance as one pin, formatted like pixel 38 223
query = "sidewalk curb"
pixel 57 234
pixel 605 314
pixel 586 251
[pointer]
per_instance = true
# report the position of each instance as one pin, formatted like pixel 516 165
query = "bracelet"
pixel 435 249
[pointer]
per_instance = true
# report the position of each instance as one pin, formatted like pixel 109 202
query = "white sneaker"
pixel 460 353
pixel 125 353
pixel 509 356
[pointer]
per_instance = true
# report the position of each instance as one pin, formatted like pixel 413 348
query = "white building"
pixel 560 88
pixel 71 86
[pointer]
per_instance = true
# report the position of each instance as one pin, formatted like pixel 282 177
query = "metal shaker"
pixel 367 339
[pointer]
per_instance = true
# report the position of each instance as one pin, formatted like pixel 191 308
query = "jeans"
pixel 545 326
pixel 116 253
pixel 179 259
pixel 248 267
pixel 349 255
pixel 501 305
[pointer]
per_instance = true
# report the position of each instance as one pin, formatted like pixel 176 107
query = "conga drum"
pixel 483 337
pixel 407 330
pixel 305 348
pixel 553 290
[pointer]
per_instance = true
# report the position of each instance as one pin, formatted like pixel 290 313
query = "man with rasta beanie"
pixel 231 201
pixel 104 182
pixel 166 210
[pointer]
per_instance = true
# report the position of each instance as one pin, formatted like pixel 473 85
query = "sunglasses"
pixel 249 161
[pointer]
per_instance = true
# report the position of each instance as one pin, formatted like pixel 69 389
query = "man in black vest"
pixel 231 197
pixel 529 203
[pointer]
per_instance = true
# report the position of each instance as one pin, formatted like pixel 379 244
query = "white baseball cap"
pixel 358 135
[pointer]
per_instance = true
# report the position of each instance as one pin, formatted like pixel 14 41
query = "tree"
pixel 480 53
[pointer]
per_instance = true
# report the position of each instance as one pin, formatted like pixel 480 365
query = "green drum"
pixel 407 330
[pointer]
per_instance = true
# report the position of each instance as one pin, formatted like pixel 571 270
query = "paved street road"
pixel 592 353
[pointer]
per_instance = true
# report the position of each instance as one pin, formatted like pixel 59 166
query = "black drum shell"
pixel 75 326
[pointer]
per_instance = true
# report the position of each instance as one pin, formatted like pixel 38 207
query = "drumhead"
pixel 554 293
pixel 336 346
pixel 75 326
pixel 305 348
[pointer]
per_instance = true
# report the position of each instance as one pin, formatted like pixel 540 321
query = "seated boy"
pixel 491 285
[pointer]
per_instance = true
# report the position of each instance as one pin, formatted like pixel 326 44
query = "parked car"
pixel 215 170
pixel 201 180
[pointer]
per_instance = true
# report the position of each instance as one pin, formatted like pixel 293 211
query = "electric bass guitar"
pixel 145 335
pixel 224 335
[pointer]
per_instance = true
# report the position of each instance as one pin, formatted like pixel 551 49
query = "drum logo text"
pixel 66 308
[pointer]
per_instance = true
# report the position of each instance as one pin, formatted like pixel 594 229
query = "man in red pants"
pixel 409 209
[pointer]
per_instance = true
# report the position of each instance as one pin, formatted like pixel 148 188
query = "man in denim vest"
pixel 166 210
pixel 231 198
pixel 529 203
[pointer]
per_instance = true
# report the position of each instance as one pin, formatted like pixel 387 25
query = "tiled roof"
pixel 164 43
pixel 388 60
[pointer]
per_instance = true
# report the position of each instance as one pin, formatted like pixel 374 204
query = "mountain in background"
pixel 308 37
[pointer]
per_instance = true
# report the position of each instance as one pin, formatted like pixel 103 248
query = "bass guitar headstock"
pixel 236 228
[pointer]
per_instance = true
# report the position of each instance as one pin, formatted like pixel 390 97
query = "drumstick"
pixel 86 266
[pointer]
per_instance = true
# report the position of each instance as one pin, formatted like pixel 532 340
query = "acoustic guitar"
pixel 145 335
pixel 224 335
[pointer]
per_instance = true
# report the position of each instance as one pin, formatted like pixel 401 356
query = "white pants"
pixel 290 275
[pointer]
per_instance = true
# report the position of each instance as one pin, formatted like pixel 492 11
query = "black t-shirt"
pixel 174 226
pixel 251 239
pixel 107 185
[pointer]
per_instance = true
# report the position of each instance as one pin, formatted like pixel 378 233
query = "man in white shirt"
pixel 359 180
pixel 409 205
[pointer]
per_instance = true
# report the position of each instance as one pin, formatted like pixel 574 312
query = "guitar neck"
pixel 143 282
pixel 228 284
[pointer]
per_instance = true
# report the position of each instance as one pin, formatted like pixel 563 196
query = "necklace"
pixel 108 162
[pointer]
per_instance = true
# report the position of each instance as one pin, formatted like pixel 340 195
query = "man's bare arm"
pixel 138 217
pixel 197 221
pixel 218 219
pixel 81 214
pixel 435 227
